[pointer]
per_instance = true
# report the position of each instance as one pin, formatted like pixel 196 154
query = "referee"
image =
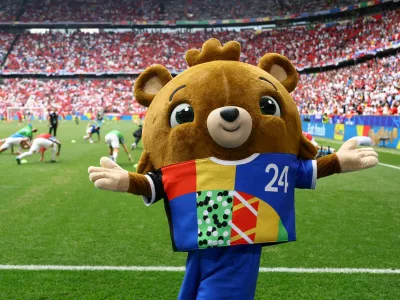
pixel 53 122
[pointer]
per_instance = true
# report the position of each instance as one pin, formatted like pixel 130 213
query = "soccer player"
pixel 114 139
pixel 40 144
pixel 27 131
pixel 77 118
pixel 14 140
pixel 137 134
pixel 20 117
pixel 91 129
pixel 53 121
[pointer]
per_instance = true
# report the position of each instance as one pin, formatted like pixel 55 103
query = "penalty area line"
pixel 182 269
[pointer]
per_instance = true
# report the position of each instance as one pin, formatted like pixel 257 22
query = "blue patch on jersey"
pixel 184 218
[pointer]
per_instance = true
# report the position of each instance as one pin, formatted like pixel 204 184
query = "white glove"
pixel 352 158
pixel 110 177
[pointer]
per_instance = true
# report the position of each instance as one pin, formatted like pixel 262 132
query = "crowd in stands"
pixel 9 10
pixel 132 51
pixel 5 44
pixel 369 88
pixel 70 95
pixel 90 11
pixel 220 9
pixel 153 10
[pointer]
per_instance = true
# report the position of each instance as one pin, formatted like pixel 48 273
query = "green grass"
pixel 52 214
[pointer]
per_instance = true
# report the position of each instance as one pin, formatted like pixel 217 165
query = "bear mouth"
pixel 229 133
pixel 231 130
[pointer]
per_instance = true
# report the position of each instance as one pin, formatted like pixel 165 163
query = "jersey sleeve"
pixel 157 188
pixel 306 174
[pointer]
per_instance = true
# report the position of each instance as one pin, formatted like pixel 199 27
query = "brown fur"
pixel 328 165
pixel 215 80
pixel 138 185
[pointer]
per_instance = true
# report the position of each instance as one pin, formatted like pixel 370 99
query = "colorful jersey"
pixel 214 203
pixel 118 134
pixel 94 128
pixel 17 135
pixel 47 136
pixel 26 131
pixel 44 136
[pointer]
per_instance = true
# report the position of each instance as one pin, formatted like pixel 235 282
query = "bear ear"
pixel 307 149
pixel 281 68
pixel 149 83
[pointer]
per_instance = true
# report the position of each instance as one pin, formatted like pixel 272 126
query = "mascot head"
pixel 220 107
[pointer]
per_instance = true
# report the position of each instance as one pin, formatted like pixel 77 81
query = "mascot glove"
pixel 109 176
pixel 352 158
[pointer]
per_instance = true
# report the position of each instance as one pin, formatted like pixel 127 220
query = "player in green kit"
pixel 114 139
pixel 27 131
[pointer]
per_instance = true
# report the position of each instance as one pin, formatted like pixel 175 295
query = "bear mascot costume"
pixel 223 147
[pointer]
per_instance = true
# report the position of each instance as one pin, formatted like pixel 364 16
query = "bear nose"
pixel 229 114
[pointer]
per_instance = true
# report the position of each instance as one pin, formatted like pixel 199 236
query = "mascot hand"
pixel 352 158
pixel 109 176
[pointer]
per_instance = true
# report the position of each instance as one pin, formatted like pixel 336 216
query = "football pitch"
pixel 51 215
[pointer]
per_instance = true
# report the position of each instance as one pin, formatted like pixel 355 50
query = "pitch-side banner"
pixel 380 135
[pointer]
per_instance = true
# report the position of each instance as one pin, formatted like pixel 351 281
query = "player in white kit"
pixel 40 144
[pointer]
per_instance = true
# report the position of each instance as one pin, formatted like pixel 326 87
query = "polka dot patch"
pixel 214 212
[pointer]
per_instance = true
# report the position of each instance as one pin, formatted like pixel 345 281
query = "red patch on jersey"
pixel 179 181
pixel 244 218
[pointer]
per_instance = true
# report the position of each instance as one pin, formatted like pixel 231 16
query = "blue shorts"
pixel 221 273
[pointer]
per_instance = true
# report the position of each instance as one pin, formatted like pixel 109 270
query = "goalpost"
pixel 38 113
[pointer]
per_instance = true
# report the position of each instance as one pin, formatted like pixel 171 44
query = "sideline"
pixel 182 269
pixel 389 166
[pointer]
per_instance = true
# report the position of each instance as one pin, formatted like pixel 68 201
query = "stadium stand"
pixel 5 44
pixel 70 95
pixel 152 10
pixel 367 89
pixel 130 52
pixel 9 10
pixel 206 9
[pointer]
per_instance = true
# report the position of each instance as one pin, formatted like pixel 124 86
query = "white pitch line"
pixel 182 269
pixel 389 166
pixel 92 268
pixel 330 270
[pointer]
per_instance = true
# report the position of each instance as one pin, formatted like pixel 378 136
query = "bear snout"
pixel 229 126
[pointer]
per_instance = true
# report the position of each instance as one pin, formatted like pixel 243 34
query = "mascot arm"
pixel 349 158
pixel 112 177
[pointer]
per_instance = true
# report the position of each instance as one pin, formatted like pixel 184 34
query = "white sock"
pixel 25 154
pixel 53 153
pixel 115 155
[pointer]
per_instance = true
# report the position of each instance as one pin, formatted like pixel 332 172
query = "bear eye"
pixel 181 114
pixel 269 106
